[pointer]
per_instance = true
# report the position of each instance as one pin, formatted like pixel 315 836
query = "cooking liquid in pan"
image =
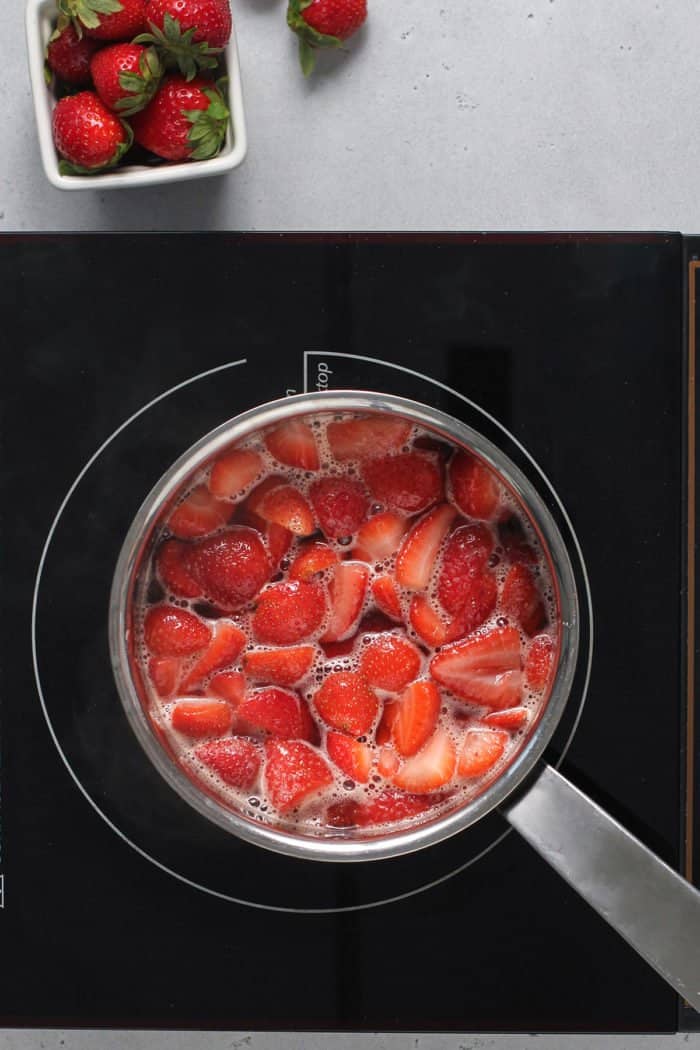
pixel 464 607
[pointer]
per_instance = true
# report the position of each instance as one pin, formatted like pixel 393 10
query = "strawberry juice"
pixel 346 626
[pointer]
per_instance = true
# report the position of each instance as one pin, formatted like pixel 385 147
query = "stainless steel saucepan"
pixel 647 902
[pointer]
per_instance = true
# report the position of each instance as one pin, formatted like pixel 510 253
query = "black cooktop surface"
pixel 121 906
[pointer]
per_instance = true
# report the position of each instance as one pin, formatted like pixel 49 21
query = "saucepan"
pixel 647 902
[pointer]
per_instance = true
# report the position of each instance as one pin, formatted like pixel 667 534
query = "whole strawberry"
pixel 186 120
pixel 126 76
pixel 323 23
pixel 105 19
pixel 188 33
pixel 68 55
pixel 88 136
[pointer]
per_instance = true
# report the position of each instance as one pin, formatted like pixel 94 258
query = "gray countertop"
pixel 455 114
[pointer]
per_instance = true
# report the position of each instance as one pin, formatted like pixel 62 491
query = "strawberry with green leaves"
pixel 104 19
pixel 323 23
pixel 126 76
pixel 87 135
pixel 184 121
pixel 182 42
pixel 68 55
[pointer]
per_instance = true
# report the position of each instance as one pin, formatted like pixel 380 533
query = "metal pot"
pixel 644 899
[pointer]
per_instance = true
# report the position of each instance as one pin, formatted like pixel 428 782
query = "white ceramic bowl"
pixel 39 17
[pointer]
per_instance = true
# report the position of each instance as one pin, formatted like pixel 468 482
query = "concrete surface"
pixel 449 114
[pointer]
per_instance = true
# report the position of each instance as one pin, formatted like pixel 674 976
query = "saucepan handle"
pixel 648 903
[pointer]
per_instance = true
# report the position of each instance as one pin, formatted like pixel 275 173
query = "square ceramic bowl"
pixel 39 17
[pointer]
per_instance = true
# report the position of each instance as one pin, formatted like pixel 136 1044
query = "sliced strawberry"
pixel 230 685
pixel 289 612
pixel 386 596
pixel 475 489
pixel 481 749
pixel 237 761
pixel 379 537
pixel 431 768
pixel 256 497
pixel 278 540
pixel 293 772
pixel 388 762
pixel 279 666
pixel 389 662
pixel 350 756
pixel 466 556
pixel 315 558
pixel 233 472
pixel 199 514
pixel 511 718
pixel 279 712
pixel 512 537
pixel 365 438
pixel 484 668
pixel 409 482
pixel 223 649
pixel 230 567
pixel 521 599
pixel 294 444
pixel 285 506
pixel 538 662
pixel 391 806
pixel 418 552
pixel 169 631
pixel 416 717
pixel 429 625
pixel 199 718
pixel 346 702
pixel 172 568
pixel 386 723
pixel 348 590
pixel 340 505
pixel 164 672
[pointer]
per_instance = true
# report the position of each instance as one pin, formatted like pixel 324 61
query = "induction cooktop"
pixel 121 906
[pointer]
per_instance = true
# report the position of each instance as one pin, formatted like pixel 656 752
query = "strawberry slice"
pixel 391 806
pixel 285 506
pixel 483 669
pixel 278 540
pixel 230 567
pixel 340 505
pixel 346 702
pixel 169 631
pixel 229 685
pixel 199 718
pixel 172 568
pixel 199 514
pixel 289 612
pixel 237 761
pixel 481 749
pixel 379 537
pixel 431 768
pixel 429 626
pixel 475 489
pixel 279 666
pixel 512 537
pixel 350 756
pixel 521 599
pixel 164 672
pixel 313 559
pixel 466 556
pixel 252 503
pixel 419 549
pixel 389 662
pixel 409 482
pixel 348 590
pixel 224 647
pixel 279 712
pixel 415 718
pixel 294 771
pixel 511 718
pixel 365 438
pixel 538 662
pixel 294 444
pixel 386 723
pixel 233 472
pixel 386 596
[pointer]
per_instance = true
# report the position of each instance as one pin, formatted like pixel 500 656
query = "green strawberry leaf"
pixel 208 126
pixel 86 13
pixel 307 56
pixel 141 86
pixel 177 50
pixel 298 24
